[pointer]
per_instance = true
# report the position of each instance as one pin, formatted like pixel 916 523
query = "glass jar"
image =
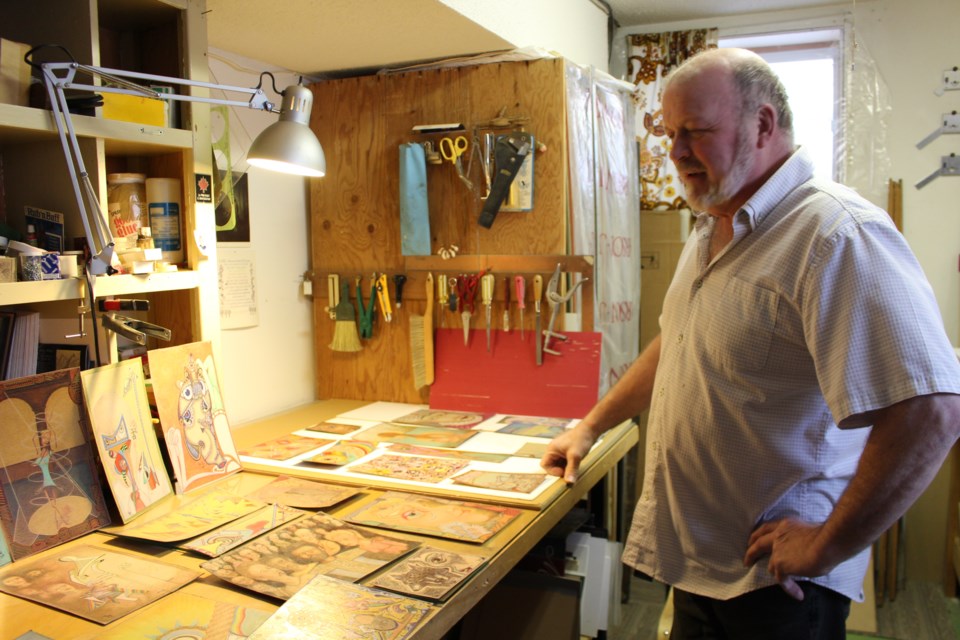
pixel 126 206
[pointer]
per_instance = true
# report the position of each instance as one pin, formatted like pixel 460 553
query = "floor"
pixel 920 612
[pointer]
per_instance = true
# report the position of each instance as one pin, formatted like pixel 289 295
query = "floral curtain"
pixel 650 57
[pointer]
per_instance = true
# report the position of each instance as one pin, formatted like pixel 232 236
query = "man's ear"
pixel 766 124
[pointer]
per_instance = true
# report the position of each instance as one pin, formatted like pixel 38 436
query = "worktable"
pixel 504 550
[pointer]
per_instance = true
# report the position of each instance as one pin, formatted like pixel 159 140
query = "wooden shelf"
pixel 12 293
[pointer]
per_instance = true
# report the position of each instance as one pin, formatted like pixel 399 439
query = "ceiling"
pixel 317 37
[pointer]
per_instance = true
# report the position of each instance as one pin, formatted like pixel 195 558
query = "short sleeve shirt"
pixel 815 311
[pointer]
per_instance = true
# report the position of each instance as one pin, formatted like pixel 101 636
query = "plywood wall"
pixel 355 220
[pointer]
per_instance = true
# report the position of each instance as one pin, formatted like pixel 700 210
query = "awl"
pixel 506 303
pixel 537 293
pixel 520 289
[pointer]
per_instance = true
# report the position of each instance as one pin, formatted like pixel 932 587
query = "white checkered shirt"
pixel 816 311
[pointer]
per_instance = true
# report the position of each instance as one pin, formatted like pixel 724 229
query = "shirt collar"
pixel 797 169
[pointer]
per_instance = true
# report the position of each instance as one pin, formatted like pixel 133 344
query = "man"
pixel 802 391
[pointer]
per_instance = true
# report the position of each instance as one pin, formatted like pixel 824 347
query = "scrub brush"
pixel 345 337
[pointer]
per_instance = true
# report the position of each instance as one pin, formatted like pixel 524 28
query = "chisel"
pixel 537 293
pixel 486 295
pixel 506 303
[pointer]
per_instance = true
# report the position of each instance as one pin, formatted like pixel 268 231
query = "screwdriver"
pixel 486 296
pixel 520 286
pixel 443 294
pixel 506 303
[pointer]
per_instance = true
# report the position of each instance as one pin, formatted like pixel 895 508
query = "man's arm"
pixel 629 397
pixel 907 445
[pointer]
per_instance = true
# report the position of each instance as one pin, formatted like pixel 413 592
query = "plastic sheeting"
pixel 605 209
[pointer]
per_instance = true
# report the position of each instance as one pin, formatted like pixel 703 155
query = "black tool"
pixel 123 305
pixel 398 282
pixel 508 154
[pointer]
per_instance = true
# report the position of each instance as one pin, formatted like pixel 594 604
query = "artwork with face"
pixel 328 609
pixel 428 572
pixel 344 452
pixel 434 418
pixel 416 468
pixel 283 561
pixel 116 396
pixel 92 582
pixel 195 425
pixel 191 517
pixel 467 521
pixel 284 448
pixel 222 539
pixel 303 494
pixel 49 487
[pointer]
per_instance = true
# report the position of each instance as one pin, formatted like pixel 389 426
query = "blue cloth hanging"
pixel 414 213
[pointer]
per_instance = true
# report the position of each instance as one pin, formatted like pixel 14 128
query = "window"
pixel 809 65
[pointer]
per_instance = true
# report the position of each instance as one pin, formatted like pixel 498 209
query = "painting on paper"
pixel 531 450
pixel 479 456
pixel 49 487
pixel 428 572
pixel 195 425
pixel 436 418
pixel 336 428
pixel 416 468
pixel 191 517
pixel 344 452
pixel 533 426
pixel 92 582
pixel 116 397
pixel 424 436
pixel 303 494
pixel 187 617
pixel 327 609
pixel 284 448
pixel 222 539
pixel 281 562
pixel 455 519
pixel 502 481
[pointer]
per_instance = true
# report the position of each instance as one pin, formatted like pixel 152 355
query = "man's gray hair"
pixel 758 84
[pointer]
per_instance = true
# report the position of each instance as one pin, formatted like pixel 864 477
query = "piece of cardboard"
pixel 14 73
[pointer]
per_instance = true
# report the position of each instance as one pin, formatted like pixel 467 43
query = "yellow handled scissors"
pixel 452 148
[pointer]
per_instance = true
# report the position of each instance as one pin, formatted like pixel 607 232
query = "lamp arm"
pixel 59 76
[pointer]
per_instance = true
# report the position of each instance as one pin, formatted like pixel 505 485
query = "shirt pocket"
pixel 748 322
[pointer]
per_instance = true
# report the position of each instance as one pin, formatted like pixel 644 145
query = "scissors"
pixel 452 149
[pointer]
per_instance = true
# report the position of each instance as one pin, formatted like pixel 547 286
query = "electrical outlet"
pixel 951 81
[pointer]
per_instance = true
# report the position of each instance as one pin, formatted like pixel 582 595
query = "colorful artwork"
pixel 533 426
pixel 283 561
pixel 303 494
pixel 187 617
pixel 417 468
pixel 502 481
pixel 327 609
pixel 116 396
pixel 429 573
pixel 480 456
pixel 284 448
pixel 95 583
pixel 344 452
pixel 334 427
pixel 434 418
pixel 531 450
pixel 467 521
pixel 49 491
pixel 222 539
pixel 195 425
pixel 424 436
pixel 192 518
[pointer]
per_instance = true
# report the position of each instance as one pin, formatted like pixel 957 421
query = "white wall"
pixel 911 44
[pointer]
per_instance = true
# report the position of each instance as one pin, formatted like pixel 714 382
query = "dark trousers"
pixel 765 614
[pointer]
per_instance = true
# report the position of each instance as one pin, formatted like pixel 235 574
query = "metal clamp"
pixel 133 329
pixel 556 300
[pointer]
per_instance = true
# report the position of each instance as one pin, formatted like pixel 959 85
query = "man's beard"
pixel 728 186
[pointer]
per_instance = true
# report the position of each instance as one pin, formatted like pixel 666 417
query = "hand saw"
pixel 508 154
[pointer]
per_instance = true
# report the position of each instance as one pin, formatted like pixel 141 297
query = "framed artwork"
pixel 327 609
pixel 222 539
pixel 284 448
pixel 122 427
pixel 283 561
pixel 416 468
pixel 303 494
pixel 53 357
pixel 426 515
pixel 436 418
pixel 430 573
pixel 195 425
pixel 501 481
pixel 49 487
pixel 169 619
pixel 92 582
